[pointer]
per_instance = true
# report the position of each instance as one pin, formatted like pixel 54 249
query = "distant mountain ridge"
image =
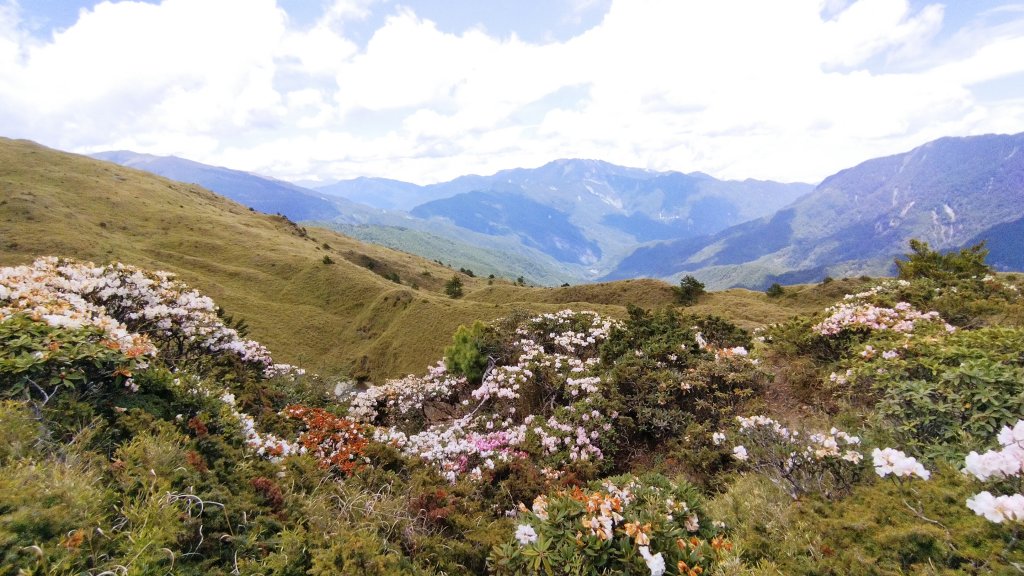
pixel 258 192
pixel 949 192
pixel 585 212
pixel 536 225
pixel 569 220
pixel 392 228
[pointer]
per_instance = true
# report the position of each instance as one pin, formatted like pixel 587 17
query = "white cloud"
pixel 746 88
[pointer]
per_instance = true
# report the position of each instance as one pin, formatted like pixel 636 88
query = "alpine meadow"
pixel 552 288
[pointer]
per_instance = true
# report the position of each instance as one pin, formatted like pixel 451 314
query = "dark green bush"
pixel 923 262
pixel 665 380
pixel 468 353
pixel 453 287
pixel 689 290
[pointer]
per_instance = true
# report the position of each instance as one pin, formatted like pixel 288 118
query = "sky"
pixel 427 90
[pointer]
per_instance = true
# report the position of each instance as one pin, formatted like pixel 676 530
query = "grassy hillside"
pixel 333 318
pixel 482 254
pixel 745 308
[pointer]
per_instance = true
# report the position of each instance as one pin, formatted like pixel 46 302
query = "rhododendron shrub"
pixel 563 395
pixel 405 402
pixel 801 463
pixel 142 312
pixel 542 402
pixel 938 389
pixel 621 525
pixel 102 329
pixel 672 372
pixel 941 393
pixel 38 360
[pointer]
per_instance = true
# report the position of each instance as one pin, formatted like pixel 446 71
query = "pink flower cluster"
pixel 493 422
pixel 852 316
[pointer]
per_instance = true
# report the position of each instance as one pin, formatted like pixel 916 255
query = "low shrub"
pixel 622 525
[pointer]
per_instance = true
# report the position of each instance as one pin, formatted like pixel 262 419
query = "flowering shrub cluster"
pixel 68 295
pixel 141 312
pixel 544 402
pixel 87 324
pixel 38 360
pixel 622 525
pixel 675 373
pixel 865 316
pixel 826 464
pixel 941 392
pixel 267 445
pixel 402 401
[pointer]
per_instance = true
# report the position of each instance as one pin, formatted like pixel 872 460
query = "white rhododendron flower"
pixel 655 563
pixel 891 461
pixel 1008 462
pixel 998 509
pixel 526 535
pixel 995 464
pixel 1009 436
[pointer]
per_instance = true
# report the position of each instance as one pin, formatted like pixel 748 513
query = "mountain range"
pixel 575 220
pixel 591 213
pixel 952 192
pixel 566 221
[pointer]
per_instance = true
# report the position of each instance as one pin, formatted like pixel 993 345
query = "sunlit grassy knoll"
pixel 747 308
pixel 750 309
pixel 645 293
